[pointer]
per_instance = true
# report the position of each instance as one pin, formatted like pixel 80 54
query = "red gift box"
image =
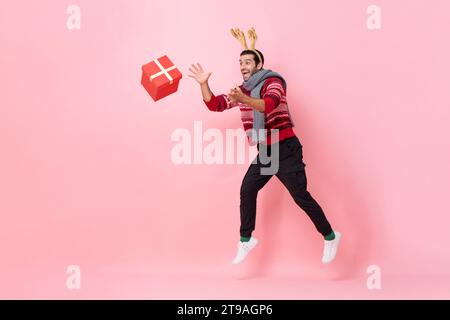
pixel 160 77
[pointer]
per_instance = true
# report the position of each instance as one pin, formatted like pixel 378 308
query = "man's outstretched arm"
pixel 219 103
pixel 269 101
pixel 262 105
pixel 258 104
pixel 206 91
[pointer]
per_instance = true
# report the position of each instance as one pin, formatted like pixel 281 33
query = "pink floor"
pixel 232 283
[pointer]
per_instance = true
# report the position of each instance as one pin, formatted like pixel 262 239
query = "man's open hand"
pixel 199 74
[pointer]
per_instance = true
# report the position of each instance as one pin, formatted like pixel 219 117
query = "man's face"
pixel 248 66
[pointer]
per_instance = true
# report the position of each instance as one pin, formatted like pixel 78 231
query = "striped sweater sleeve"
pixel 273 93
pixel 220 103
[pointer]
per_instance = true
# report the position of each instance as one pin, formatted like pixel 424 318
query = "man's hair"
pixel 255 56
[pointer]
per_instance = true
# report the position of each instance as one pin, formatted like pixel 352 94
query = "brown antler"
pixel 252 37
pixel 238 34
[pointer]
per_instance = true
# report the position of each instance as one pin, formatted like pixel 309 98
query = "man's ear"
pixel 259 66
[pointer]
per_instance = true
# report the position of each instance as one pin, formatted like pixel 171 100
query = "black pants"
pixel 291 172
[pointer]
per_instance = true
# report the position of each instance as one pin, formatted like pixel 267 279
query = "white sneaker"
pixel 330 248
pixel 243 249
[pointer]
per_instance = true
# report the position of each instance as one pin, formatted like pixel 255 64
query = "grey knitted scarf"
pixel 254 85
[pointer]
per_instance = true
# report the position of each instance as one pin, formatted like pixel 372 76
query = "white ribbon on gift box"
pixel 163 71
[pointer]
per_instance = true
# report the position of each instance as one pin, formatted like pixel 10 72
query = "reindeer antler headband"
pixel 238 34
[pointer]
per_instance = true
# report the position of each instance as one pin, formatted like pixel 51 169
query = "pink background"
pixel 87 178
